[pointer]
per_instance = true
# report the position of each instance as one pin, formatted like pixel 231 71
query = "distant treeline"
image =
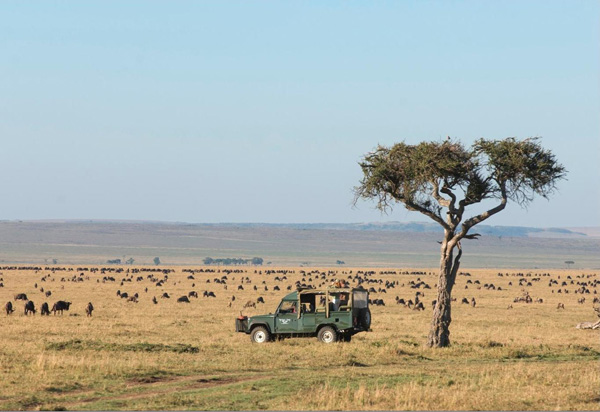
pixel 233 261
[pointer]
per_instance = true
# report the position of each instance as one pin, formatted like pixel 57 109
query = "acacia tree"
pixel 442 179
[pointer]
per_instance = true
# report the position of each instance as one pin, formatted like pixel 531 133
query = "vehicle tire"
pixel 328 334
pixel 260 334
pixel 364 318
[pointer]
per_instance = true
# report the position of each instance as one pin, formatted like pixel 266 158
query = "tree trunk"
pixel 439 333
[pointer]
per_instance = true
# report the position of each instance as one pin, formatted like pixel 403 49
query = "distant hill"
pixel 419 227
pixel 360 245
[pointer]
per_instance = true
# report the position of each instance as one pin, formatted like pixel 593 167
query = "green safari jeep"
pixel 331 314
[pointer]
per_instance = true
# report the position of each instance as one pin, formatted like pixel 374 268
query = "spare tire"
pixel 364 318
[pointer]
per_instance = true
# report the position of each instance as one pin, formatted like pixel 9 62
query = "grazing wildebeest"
pixel 165 296
pixel 60 306
pixel 260 300
pixel 48 293
pixel 89 309
pixel 124 295
pixel 29 307
pixel 465 301
pixel 45 310
pixel 250 304
pixel 193 294
pixel 132 299
pixel 9 308
pixel 419 306
pixel 21 296
pixel 183 299
pixel 473 303
pixel 560 306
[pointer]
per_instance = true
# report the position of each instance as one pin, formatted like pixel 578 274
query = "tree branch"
pixel 410 205
pixel 469 223
pixel 436 195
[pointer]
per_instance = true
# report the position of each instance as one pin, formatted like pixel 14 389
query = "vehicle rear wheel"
pixel 364 318
pixel 260 334
pixel 327 335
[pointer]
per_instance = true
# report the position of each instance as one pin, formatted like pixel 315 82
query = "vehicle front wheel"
pixel 260 334
pixel 327 335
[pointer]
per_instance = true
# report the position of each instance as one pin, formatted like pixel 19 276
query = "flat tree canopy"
pixel 442 179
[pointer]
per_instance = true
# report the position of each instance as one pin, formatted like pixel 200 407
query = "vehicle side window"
pixel 288 307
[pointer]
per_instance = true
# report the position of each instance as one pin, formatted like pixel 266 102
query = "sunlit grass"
pixel 187 356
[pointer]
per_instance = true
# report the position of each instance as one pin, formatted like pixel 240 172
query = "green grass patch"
pixel 77 344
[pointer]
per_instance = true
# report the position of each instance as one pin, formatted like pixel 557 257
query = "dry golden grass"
pixel 187 356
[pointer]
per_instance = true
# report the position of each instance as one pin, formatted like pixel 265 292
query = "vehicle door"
pixel 308 313
pixel 286 317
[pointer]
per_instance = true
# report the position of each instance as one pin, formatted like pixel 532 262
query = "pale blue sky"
pixel 222 111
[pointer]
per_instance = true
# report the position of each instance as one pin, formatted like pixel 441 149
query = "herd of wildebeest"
pixel 154 280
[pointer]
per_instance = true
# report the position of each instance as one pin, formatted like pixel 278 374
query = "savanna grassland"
pixel 173 355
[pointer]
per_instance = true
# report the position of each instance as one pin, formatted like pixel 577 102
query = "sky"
pixel 236 111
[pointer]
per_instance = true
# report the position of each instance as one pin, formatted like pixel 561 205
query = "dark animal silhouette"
pixel 29 307
pixel 89 309
pixel 9 308
pixel 21 296
pixel 45 310
pixel 60 306
pixel 183 299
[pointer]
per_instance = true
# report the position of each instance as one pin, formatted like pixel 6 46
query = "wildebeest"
pixel 9 308
pixel 21 296
pixel 193 294
pixel 30 307
pixel 60 306
pixel 419 306
pixel 133 299
pixel 48 293
pixel 165 296
pixel 250 304
pixel 260 300
pixel 89 309
pixel 473 303
pixel 465 301
pixel 45 310
pixel 560 306
pixel 183 299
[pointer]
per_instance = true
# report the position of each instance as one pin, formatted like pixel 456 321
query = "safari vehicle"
pixel 331 314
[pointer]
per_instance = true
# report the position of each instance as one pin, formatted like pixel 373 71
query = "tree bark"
pixel 439 333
